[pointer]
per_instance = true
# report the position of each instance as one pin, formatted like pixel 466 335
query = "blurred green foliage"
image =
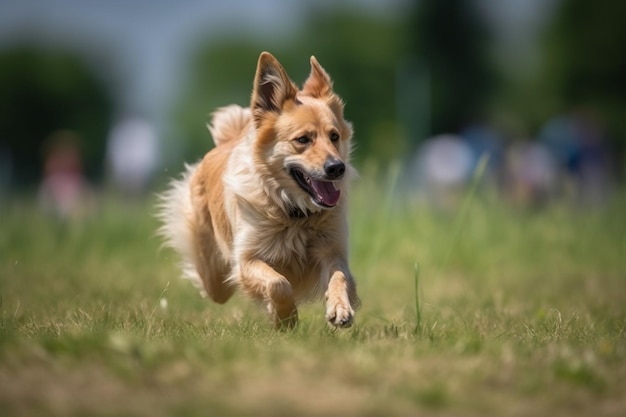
pixel 44 91
pixel 359 51
pixel 402 80
pixel 404 77
pixel 453 41
pixel 429 71
pixel 220 75
pixel 586 63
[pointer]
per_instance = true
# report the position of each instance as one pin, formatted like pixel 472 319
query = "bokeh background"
pixel 487 227
pixel 115 95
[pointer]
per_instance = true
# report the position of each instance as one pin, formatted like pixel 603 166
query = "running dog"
pixel 265 210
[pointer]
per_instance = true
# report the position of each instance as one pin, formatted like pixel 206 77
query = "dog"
pixel 265 210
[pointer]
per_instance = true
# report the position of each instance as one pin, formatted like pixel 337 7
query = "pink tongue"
pixel 326 192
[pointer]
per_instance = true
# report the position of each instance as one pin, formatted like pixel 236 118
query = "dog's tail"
pixel 175 213
pixel 228 123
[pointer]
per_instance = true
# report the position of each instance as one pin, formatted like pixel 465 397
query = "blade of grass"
pixel 418 307
pixel 467 202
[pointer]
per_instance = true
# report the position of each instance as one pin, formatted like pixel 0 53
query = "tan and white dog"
pixel 265 210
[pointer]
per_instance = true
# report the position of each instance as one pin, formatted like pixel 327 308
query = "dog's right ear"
pixel 318 84
pixel 272 87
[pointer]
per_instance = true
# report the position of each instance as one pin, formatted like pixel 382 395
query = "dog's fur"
pixel 265 210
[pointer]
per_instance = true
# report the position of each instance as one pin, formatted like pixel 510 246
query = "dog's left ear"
pixel 272 86
pixel 319 83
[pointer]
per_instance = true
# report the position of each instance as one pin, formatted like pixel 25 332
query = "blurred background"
pixel 113 96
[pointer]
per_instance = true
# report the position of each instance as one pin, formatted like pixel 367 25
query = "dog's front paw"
pixel 339 314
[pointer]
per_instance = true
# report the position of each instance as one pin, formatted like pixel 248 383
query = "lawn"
pixel 480 310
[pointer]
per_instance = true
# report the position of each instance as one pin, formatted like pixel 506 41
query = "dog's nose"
pixel 334 168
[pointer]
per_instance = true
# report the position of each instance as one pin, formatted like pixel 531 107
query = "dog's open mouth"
pixel 323 193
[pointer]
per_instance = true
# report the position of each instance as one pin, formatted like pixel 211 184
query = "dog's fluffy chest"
pixel 280 244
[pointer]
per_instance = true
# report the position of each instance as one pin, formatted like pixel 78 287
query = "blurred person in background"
pixel 531 174
pixel 485 141
pixel 64 191
pixel 132 153
pixel 444 166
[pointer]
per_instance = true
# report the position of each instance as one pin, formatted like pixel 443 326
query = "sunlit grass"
pixel 511 312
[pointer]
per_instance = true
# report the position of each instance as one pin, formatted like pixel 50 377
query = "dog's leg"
pixel 261 281
pixel 341 298
pixel 211 267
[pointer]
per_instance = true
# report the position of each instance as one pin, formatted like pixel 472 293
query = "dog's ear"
pixel 272 86
pixel 319 83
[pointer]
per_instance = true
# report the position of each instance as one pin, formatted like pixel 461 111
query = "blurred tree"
pixel 221 74
pixel 42 92
pixel 360 52
pixel 586 63
pixel 451 41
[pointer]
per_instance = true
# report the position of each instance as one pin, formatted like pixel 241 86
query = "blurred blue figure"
pixel 484 140
pixel 561 138
pixel 577 141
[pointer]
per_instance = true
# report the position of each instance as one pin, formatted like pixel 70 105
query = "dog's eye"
pixel 334 137
pixel 303 140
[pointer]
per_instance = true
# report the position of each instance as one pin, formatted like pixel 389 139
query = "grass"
pixel 517 312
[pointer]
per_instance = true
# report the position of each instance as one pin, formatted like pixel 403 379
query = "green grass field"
pixel 517 313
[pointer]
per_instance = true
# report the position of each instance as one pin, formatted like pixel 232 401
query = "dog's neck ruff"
pixel 295 212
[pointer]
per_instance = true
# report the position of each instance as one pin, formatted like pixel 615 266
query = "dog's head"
pixel 301 136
